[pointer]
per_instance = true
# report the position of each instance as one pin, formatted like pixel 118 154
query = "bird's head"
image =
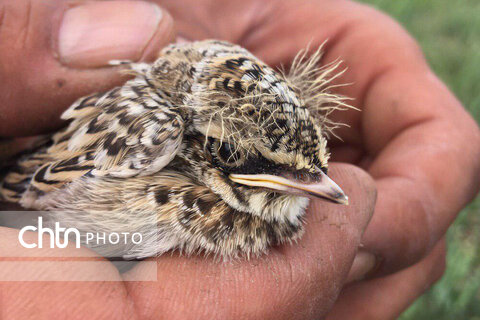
pixel 253 140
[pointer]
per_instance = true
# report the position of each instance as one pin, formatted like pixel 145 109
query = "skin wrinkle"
pixel 343 31
pixel 166 21
pixel 249 39
pixel 28 25
pixel 128 299
pixel 274 272
pixel 2 15
pixel 424 220
pixel 24 29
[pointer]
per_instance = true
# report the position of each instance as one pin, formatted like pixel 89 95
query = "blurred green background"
pixel 449 33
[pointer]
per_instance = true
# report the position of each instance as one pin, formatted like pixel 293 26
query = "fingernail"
pixel 364 263
pixel 93 33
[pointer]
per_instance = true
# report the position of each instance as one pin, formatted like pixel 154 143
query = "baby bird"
pixel 208 149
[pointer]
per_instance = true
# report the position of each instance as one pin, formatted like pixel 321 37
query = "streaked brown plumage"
pixel 208 144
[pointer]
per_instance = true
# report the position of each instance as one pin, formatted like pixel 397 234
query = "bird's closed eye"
pixel 228 154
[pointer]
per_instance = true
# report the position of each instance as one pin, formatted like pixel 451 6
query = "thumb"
pixel 52 52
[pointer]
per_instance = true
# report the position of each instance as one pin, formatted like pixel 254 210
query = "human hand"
pixel 274 33
pixel 297 281
pixel 412 135
pixel 301 280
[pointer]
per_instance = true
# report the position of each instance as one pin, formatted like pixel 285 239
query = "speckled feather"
pixel 146 154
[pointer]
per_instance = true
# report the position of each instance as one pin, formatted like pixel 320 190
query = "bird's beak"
pixel 322 187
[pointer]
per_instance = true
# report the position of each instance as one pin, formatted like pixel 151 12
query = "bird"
pixel 206 150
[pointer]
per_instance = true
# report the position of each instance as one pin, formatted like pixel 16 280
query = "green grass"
pixel 449 33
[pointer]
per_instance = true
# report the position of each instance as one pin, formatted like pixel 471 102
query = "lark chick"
pixel 208 149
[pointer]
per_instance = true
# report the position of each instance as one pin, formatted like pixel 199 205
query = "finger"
pixel 217 19
pixel 412 135
pixel 55 51
pixel 426 173
pixel 386 298
pixel 426 161
pixel 293 281
pixel 70 296
pixel 364 264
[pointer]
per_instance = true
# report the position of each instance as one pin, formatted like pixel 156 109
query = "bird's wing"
pixel 131 130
